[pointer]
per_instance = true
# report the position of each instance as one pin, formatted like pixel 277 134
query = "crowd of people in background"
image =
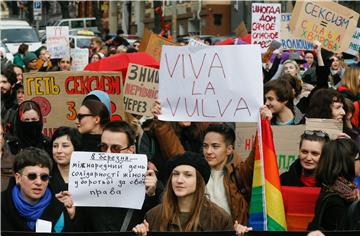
pixel 195 181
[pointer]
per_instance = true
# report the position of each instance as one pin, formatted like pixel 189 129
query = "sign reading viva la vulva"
pixel 217 83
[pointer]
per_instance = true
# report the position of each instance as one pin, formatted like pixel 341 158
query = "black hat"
pixel 192 159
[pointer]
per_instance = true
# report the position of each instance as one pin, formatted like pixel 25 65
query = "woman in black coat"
pixel 335 173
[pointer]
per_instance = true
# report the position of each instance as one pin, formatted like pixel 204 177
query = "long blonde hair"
pixel 170 210
pixel 351 79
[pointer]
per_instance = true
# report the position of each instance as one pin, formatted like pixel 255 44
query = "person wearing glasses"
pixel 94 113
pixel 335 174
pixel 29 197
pixel 64 141
pixel 27 129
pixel 302 171
pixel 119 137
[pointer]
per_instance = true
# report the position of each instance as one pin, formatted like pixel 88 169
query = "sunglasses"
pixel 318 133
pixel 113 148
pixel 33 176
pixel 80 116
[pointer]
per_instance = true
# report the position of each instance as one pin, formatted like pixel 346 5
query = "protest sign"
pixel 265 24
pixel 288 41
pixel 286 141
pixel 57 41
pixel 152 44
pixel 355 43
pixel 196 43
pixel 211 83
pixel 107 179
pixel 140 89
pixel 325 21
pixel 80 58
pixel 60 94
pixel 330 126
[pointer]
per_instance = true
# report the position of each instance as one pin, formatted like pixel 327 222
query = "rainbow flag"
pixel 266 206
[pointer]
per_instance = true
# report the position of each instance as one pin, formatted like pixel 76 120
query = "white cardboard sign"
pixel 265 24
pixel 80 58
pixel 217 83
pixel 107 179
pixel 57 41
pixel 354 43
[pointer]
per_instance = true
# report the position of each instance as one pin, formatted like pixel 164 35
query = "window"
pixel 77 24
pixel 217 19
pixel 64 23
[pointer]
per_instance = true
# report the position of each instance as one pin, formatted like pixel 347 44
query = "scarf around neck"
pixel 30 212
pixel 345 188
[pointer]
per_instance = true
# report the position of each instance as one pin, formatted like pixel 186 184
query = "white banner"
pixel 80 58
pixel 217 83
pixel 57 41
pixel 107 179
pixel 265 24
pixel 355 43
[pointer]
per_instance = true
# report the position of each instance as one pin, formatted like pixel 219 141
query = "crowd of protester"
pixel 195 181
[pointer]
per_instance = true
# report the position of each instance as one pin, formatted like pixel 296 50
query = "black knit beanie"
pixel 192 159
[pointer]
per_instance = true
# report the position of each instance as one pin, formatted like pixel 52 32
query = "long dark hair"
pixel 320 103
pixel 337 160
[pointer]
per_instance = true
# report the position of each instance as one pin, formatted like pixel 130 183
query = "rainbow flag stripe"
pixel 266 206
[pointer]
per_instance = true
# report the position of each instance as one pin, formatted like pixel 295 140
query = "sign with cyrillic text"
pixel 140 89
pixel 107 179
pixel 80 58
pixel 286 142
pixel 288 41
pixel 354 45
pixel 214 83
pixel 325 21
pixel 57 41
pixel 61 93
pixel 265 24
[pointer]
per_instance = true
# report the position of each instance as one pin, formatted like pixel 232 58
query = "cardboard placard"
pixel 57 41
pixel 207 83
pixel 355 43
pixel 140 89
pixel 325 21
pixel 152 44
pixel 107 179
pixel 330 126
pixel 60 94
pixel 265 24
pixel 286 141
pixel 288 41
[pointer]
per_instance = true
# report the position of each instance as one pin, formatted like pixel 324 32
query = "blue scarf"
pixel 30 212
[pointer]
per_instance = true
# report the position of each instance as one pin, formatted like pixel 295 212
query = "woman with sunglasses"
pixel 302 171
pixel 335 174
pixel 27 129
pixel 64 141
pixel 29 197
pixel 185 206
pixel 93 115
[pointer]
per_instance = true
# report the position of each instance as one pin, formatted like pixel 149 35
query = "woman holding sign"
pixel 185 206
